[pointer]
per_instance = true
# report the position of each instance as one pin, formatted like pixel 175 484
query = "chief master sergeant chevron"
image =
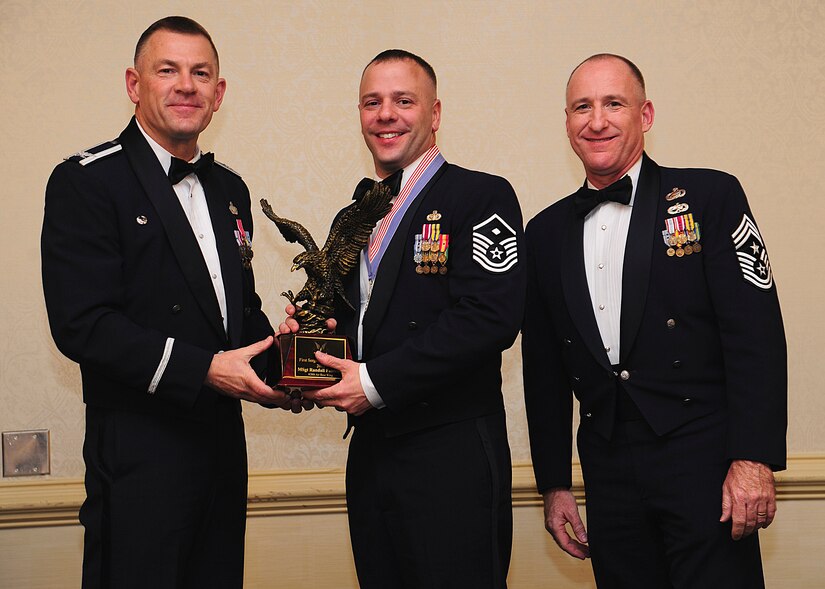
pixel 147 279
pixel 660 313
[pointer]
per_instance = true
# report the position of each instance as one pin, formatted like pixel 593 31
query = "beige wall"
pixel 737 85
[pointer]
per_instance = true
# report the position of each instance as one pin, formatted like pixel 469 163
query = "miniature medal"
pixel 244 245
pixel 681 233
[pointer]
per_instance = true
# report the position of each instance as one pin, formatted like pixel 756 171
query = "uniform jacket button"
pixel 588 415
pixel 687 401
pixel 412 325
pixel 624 375
pixel 568 341
pixel 671 323
pixel 247 311
pixel 176 309
pixel 677 363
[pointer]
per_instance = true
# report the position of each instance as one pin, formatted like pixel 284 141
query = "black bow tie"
pixel 180 169
pixel 393 181
pixel 587 199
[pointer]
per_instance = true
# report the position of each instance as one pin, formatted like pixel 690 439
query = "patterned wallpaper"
pixel 737 85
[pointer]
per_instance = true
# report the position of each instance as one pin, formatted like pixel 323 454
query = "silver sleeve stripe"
pixel 96 156
pixel 164 360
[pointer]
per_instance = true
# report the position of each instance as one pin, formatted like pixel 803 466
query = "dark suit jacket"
pixel 696 336
pixel 122 272
pixel 433 343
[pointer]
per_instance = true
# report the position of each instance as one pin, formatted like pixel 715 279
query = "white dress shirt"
pixel 605 237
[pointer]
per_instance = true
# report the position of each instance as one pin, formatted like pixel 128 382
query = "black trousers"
pixel 653 508
pixel 166 500
pixel 431 509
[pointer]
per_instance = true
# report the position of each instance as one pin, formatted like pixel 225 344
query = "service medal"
pixel 417 258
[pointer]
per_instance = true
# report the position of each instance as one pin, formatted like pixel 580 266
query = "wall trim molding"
pixel 56 502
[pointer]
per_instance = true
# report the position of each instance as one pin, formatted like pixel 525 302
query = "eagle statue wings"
pixel 325 267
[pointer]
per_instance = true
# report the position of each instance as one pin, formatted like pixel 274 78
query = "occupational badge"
pixel 752 255
pixel 680 207
pixel 494 245
pixel 675 193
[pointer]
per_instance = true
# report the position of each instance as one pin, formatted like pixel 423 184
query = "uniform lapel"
pixel 576 291
pixel 384 284
pixel 178 231
pixel 224 226
pixel 638 254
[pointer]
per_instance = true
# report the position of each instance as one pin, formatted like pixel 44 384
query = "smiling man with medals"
pixel 429 464
pixel 650 297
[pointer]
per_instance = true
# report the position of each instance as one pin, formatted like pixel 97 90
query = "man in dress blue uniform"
pixel 651 297
pixel 438 296
pixel 149 287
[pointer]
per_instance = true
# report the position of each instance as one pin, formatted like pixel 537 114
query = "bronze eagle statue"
pixel 325 267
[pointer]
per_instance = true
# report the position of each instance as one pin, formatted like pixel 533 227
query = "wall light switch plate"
pixel 26 453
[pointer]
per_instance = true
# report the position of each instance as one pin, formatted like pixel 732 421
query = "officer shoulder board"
pixel 87 156
pixel 225 167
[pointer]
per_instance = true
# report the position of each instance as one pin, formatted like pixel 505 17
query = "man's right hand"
pixel 560 509
pixel 231 374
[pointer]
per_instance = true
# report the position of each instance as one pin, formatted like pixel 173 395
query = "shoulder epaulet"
pixel 225 167
pixel 87 156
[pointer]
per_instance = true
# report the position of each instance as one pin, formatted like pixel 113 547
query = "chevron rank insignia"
pixel 752 255
pixel 494 245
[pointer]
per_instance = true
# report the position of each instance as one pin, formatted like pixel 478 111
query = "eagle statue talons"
pixel 290 297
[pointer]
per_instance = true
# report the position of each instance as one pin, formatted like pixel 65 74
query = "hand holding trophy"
pixel 315 302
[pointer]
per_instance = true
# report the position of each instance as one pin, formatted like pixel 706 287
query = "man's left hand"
pixel 748 497
pixel 346 395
